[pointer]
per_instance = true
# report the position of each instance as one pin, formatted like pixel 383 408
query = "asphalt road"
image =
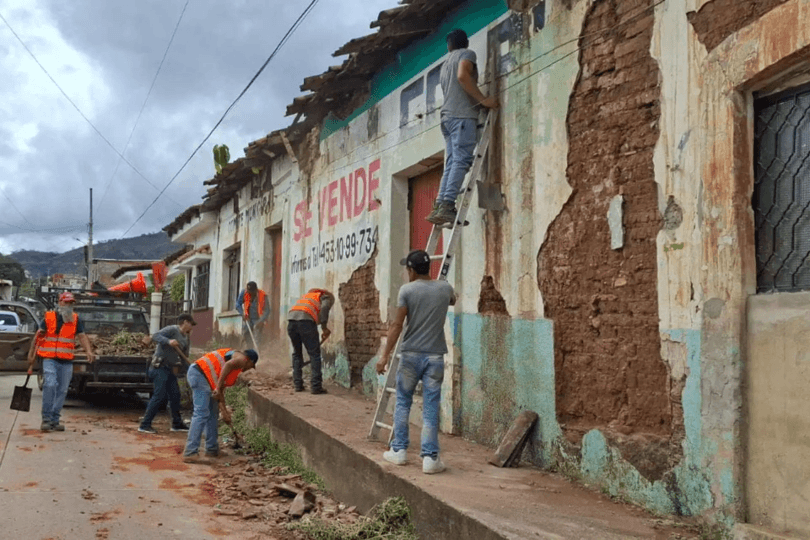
pixel 99 479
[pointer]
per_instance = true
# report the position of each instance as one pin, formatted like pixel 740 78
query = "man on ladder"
pixel 459 80
pixel 424 303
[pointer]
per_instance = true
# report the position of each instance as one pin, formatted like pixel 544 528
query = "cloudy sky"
pixel 104 54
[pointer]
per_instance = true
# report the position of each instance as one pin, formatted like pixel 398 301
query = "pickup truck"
pixel 103 316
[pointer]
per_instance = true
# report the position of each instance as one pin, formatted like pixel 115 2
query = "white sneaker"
pixel 397 457
pixel 431 465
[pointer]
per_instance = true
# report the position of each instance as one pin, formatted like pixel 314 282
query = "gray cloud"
pixel 105 54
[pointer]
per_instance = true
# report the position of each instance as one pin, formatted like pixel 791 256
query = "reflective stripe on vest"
pixel 310 303
pixel 61 345
pixel 212 364
pixel 248 298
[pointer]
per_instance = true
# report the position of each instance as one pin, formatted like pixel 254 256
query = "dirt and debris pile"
pixel 251 491
pixel 122 344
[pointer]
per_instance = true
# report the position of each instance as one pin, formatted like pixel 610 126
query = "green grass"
pixel 390 520
pixel 260 441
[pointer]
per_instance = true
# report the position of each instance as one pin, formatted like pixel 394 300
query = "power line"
pixel 76 106
pixel 281 43
pixel 14 206
pixel 143 106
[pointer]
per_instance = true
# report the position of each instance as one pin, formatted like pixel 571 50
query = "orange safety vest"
pixel 310 303
pixel 212 364
pixel 248 298
pixel 59 345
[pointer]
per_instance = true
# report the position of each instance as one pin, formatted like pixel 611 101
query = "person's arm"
pixel 85 343
pixel 229 366
pixel 327 301
pixel 466 78
pixel 393 336
pixel 165 336
pixel 32 351
pixel 240 301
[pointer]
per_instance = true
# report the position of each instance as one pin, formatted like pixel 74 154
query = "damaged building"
pixel 643 287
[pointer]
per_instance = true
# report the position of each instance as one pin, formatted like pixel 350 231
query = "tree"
pixel 11 269
pixel 178 289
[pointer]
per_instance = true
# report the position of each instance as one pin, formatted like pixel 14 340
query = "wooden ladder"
pixel 475 173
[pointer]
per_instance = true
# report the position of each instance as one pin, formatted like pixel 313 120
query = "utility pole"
pixel 90 245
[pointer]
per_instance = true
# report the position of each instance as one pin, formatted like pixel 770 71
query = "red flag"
pixel 159 274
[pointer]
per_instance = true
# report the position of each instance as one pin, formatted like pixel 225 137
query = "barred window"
pixel 200 286
pixel 782 190
pixel 233 269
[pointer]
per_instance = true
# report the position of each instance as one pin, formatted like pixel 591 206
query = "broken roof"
pixel 339 91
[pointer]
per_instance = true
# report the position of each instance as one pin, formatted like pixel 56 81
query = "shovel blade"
pixel 21 399
pixel 490 197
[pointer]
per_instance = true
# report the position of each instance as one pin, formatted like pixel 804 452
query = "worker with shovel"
pixel 254 307
pixel 208 377
pixel 171 353
pixel 54 342
pixel 303 319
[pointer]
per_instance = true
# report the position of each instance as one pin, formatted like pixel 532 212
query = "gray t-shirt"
pixel 457 102
pixel 427 302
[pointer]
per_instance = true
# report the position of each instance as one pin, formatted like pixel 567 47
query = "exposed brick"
pixel 720 18
pixel 609 370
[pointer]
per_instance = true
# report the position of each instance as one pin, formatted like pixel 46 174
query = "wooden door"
pixel 422 192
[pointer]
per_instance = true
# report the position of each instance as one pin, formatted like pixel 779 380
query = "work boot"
pixel 192 458
pixel 58 427
pixel 299 388
pixel 445 216
pixel 432 215
pixel 46 426
pixel 317 391
pixel 180 427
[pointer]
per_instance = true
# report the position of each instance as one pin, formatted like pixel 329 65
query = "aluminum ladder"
pixel 475 173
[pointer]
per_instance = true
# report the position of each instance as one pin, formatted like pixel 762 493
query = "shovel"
pixel 252 337
pixel 21 399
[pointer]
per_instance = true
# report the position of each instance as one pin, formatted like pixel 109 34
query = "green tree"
pixel 11 269
pixel 178 289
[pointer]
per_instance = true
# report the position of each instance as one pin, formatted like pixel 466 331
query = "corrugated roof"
pixel 339 90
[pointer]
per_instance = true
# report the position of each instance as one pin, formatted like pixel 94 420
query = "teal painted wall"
pixel 471 17
pixel 507 366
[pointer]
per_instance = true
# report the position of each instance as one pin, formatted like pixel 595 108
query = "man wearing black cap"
pixel 163 372
pixel 423 302
pixel 254 307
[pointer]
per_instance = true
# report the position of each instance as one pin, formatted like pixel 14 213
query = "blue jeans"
pixel 305 333
pixel 205 416
pixel 415 367
pixel 460 138
pixel 166 387
pixel 56 380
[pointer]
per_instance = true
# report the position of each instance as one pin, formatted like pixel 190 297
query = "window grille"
pixel 200 286
pixel 233 269
pixel 781 198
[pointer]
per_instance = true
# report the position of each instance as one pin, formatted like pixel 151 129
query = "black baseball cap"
pixel 253 355
pixel 417 258
pixel 186 317
pixel 251 286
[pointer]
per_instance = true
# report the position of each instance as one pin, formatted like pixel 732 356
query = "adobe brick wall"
pixel 362 324
pixel 718 19
pixel 609 370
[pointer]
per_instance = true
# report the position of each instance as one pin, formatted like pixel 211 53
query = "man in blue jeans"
pixel 459 119
pixel 162 372
pixel 423 302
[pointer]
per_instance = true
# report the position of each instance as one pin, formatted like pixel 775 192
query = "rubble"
pixel 122 344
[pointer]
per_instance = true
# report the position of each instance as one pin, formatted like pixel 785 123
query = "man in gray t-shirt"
pixel 424 303
pixel 462 97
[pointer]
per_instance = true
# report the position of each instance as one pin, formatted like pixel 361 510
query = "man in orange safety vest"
pixel 208 377
pixel 54 342
pixel 302 327
pixel 254 307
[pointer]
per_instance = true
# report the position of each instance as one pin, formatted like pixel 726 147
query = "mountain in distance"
pixel 153 246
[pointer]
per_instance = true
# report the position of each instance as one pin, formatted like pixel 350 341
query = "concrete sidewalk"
pixel 472 499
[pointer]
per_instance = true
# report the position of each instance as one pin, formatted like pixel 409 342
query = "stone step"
pixel 746 531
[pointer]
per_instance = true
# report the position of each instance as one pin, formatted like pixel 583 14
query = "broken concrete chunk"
pixel 303 503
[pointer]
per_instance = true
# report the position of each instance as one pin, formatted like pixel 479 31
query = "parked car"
pixel 14 344
pixel 9 321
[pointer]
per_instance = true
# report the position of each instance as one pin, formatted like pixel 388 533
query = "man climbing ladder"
pixel 462 97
